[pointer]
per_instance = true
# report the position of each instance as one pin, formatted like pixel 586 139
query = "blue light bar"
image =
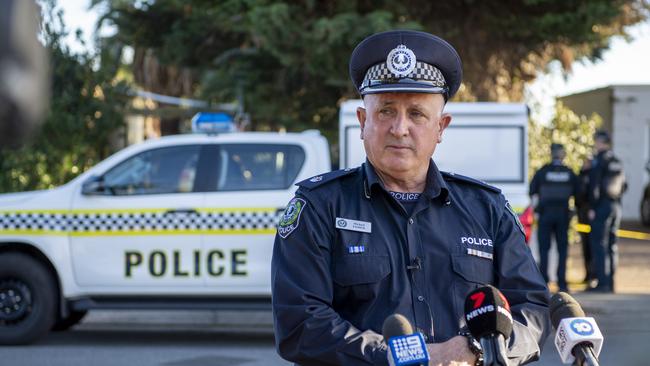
pixel 212 122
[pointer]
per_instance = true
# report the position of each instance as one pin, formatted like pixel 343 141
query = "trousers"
pixel 553 222
pixel 603 241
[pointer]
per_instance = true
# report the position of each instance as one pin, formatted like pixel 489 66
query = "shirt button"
pixel 420 298
pixel 410 221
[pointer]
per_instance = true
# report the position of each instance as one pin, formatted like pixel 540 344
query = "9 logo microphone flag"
pixel 405 347
pixel 408 350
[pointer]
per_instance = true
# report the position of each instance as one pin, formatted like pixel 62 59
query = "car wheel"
pixel 645 211
pixel 27 299
pixel 66 323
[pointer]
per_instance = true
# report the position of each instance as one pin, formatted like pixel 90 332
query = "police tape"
pixel 628 234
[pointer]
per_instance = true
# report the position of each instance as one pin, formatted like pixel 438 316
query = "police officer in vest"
pixel 551 188
pixel 606 187
pixel 582 208
pixel 397 235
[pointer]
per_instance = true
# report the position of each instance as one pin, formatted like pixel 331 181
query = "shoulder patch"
pixel 321 179
pixel 291 217
pixel 448 176
pixel 516 217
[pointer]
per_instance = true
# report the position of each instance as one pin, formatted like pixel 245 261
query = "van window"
pixel 257 166
pixel 157 171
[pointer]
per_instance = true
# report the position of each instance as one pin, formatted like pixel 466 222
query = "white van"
pixel 486 141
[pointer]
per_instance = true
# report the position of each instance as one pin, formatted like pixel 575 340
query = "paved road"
pixel 154 339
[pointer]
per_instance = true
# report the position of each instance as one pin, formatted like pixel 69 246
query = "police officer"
pixel 582 206
pixel 396 235
pixel 551 188
pixel 606 187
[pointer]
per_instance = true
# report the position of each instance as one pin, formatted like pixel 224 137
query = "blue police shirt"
pixel 347 255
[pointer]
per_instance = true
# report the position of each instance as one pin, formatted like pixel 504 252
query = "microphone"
pixel 577 338
pixel 488 318
pixel 405 347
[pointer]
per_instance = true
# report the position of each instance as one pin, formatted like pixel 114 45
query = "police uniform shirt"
pixel 347 255
pixel 555 183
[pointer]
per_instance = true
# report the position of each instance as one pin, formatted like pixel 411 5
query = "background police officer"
pixel 606 187
pixel 582 206
pixel 551 188
pixel 396 235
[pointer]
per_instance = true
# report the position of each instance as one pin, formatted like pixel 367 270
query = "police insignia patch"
pixel 291 217
pixel 516 217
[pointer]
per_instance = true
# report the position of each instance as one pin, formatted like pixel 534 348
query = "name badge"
pixel 353 225
pixel 480 253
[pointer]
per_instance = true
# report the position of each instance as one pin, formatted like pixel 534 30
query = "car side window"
pixel 257 166
pixel 157 171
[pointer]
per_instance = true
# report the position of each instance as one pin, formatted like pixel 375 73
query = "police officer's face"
pixel 400 131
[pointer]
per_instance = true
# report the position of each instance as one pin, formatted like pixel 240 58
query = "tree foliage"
pixel 84 116
pixel 566 128
pixel 287 60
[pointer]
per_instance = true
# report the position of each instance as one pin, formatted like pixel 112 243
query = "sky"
pixel 623 63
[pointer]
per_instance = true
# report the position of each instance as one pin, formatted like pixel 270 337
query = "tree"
pixel 85 114
pixel 286 61
pixel 566 128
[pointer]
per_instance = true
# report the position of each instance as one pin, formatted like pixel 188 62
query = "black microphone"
pixel 577 337
pixel 488 318
pixel 405 347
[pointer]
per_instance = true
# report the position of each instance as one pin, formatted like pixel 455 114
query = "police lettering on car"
pixel 396 235
pixel 158 263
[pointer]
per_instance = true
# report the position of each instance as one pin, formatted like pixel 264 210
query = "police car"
pixel 183 221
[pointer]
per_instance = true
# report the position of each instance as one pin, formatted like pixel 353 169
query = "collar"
pixel 435 185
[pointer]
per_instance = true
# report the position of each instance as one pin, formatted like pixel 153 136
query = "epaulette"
pixel 461 178
pixel 321 179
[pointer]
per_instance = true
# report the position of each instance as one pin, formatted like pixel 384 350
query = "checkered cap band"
pixel 421 72
pixel 128 222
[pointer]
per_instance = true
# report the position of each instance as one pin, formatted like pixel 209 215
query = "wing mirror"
pixel 94 186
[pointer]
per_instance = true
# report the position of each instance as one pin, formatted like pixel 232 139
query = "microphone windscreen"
pixel 396 325
pixel 487 312
pixel 563 305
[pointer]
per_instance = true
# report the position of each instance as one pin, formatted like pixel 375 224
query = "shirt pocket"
pixel 359 277
pixel 470 273
pixel 473 268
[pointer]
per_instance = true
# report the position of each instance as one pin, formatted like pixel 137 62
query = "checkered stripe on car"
pixel 153 222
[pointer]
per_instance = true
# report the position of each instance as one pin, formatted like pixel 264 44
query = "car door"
pixel 140 234
pixel 250 185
